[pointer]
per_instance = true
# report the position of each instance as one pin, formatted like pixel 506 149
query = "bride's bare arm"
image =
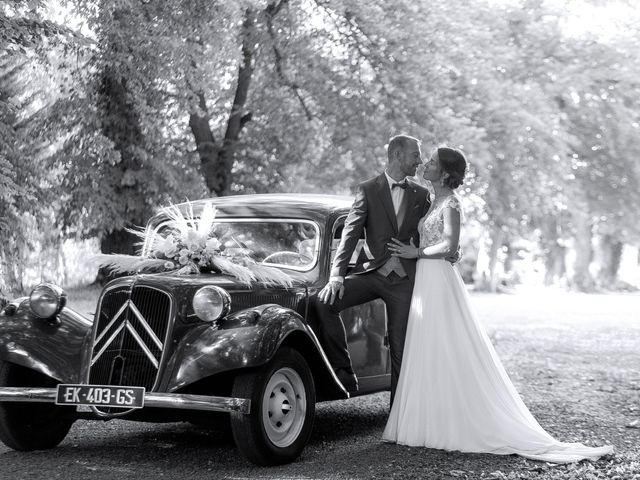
pixel 444 249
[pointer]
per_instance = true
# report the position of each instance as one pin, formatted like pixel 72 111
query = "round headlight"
pixel 211 303
pixel 46 300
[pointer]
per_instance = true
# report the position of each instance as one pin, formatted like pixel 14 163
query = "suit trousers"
pixel 395 291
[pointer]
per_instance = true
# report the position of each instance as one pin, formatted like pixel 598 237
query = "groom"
pixel 385 207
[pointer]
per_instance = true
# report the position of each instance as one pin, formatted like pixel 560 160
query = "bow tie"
pixel 402 185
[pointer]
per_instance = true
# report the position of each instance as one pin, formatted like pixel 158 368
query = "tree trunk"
pixel 510 256
pixel 116 241
pixel 497 236
pixel 120 124
pixel 582 279
pixel 611 255
pixel 13 267
pixel 9 279
pixel 554 263
pixel 217 160
pixel 18 256
pixel 555 253
pixel 61 264
pixel 487 280
pixel 206 146
pixel 120 120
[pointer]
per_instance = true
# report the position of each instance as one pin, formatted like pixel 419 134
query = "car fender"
pixel 244 339
pixel 53 347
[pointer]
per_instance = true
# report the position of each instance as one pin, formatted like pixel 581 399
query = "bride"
pixel 453 392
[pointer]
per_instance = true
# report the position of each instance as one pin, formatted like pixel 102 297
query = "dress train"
pixel 453 392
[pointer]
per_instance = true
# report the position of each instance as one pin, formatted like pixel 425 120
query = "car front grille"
pixel 240 301
pixel 129 338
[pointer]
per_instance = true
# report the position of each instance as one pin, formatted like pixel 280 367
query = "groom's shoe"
pixel 348 379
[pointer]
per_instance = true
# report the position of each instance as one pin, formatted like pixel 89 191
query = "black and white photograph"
pixel 320 239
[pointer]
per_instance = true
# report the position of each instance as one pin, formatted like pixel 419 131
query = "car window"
pixel 289 243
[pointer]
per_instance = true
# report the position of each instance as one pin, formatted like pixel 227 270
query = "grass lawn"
pixel 574 358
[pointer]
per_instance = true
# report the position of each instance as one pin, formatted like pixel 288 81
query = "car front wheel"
pixel 28 426
pixel 282 394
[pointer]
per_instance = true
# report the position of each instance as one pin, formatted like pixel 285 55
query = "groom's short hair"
pixel 400 142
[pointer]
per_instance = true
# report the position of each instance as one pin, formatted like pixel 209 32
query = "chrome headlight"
pixel 211 303
pixel 47 300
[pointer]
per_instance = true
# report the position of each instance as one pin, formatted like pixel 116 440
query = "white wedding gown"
pixel 453 393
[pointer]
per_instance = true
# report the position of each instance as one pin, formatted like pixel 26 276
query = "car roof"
pixel 281 205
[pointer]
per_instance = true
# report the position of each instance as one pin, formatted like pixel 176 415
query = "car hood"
pixel 183 287
pixel 174 281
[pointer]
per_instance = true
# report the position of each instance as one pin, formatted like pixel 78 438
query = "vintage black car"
pixel 169 346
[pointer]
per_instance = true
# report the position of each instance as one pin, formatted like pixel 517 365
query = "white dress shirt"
pixel 397 194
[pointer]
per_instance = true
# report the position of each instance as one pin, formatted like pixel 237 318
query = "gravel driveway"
pixel 577 372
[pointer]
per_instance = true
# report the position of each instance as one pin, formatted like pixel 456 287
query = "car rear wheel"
pixel 283 399
pixel 29 426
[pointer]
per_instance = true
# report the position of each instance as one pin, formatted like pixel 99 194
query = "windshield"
pixel 288 243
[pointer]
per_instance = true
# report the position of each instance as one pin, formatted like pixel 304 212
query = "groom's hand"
pixel 330 291
pixel 399 249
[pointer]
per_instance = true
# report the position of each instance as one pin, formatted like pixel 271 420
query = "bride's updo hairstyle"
pixel 454 166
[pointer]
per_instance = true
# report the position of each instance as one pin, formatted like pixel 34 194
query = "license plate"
pixel 100 395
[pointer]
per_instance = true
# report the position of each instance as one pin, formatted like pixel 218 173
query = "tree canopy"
pixel 109 109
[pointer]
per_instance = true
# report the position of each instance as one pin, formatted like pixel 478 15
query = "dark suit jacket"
pixel 372 211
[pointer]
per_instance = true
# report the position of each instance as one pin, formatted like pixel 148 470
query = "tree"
pixel 170 101
pixel 603 163
pixel 31 47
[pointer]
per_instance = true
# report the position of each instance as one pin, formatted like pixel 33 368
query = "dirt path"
pixel 574 359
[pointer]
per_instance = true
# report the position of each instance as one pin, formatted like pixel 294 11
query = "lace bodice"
pixel 431 225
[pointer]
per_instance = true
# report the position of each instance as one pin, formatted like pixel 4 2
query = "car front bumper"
pixel 151 399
